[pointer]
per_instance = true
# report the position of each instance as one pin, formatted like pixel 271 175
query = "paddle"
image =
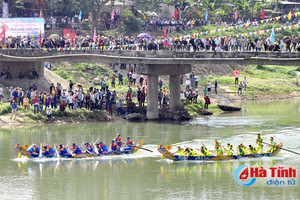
pixel 94 145
pixel 143 148
pixel 282 148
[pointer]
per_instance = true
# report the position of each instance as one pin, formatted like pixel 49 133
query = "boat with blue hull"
pixel 22 150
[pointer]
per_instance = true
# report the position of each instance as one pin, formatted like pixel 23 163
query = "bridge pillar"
pixel 152 97
pixel 175 102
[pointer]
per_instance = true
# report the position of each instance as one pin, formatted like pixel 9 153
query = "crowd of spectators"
pixel 259 43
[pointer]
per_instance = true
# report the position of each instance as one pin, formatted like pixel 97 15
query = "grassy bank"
pixel 197 110
pixel 263 82
pixel 67 116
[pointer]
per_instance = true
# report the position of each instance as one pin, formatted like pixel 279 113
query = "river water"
pixel 145 175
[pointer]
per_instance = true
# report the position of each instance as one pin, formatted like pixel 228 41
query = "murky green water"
pixel 144 175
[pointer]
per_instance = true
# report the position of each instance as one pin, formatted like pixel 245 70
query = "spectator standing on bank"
pixel 1 93
pixel 216 86
pixel 119 107
pixel 13 109
pixel 26 104
pixel 35 103
pixel 240 88
pixel 236 79
pixel 245 83
pixel 208 87
pixel 206 101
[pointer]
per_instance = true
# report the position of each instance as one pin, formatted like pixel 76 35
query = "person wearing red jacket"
pixel 207 101
pixel 35 102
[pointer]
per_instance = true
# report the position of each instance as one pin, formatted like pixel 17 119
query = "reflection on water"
pixel 144 175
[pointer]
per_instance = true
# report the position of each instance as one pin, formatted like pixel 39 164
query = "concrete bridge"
pixel 150 63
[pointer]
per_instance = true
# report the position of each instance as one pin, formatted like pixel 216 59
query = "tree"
pixel 130 23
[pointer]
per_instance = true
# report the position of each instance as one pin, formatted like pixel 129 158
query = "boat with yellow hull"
pixel 167 154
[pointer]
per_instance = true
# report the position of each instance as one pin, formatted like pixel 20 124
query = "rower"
pixel 204 151
pixel 89 148
pixel 241 150
pixel 252 150
pixel 180 151
pixel 219 151
pixel 129 143
pixel 230 150
pixel 217 144
pixel 33 150
pixel 102 148
pixel 272 145
pixel 191 152
pixel 118 140
pixel 49 152
pixel 76 150
pixel 63 151
pixel 259 141
pixel 244 148
pixel 113 147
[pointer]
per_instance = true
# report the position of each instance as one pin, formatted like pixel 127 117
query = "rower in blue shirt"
pixel 128 145
pixel 89 148
pixel 33 150
pixel 49 152
pixel 63 151
pixel 102 148
pixel 76 150
pixel 113 148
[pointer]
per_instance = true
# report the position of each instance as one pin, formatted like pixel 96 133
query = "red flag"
pixel 41 13
pixel 165 35
pixel 40 38
pixel 175 14
pixel 263 14
pixel 68 34
pixel 42 2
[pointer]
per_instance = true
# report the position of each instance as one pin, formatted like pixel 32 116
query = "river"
pixel 145 175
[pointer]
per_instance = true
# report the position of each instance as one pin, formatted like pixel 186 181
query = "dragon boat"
pixel 22 152
pixel 167 154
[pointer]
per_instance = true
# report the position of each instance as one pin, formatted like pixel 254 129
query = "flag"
pixel 165 35
pixel 41 13
pixel 263 14
pixel 94 38
pixel 69 34
pixel 40 38
pixel 42 2
pixel 79 16
pixel 3 29
pixel 272 37
pixel 235 15
pixel 289 15
pixel 175 14
pixel 206 15
pixel 113 14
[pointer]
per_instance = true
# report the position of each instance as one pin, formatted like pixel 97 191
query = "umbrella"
pixel 235 72
pixel 54 36
pixel 144 35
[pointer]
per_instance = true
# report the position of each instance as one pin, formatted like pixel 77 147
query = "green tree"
pixel 130 23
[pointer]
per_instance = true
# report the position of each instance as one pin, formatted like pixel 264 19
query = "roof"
pixel 289 3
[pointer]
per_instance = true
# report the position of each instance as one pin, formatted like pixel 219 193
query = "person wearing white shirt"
pixel 70 101
pixel 1 93
pixel 188 83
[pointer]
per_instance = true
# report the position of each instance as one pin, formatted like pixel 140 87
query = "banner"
pixel 23 26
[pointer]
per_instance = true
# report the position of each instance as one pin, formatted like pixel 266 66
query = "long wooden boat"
pixel 167 154
pixel 22 152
